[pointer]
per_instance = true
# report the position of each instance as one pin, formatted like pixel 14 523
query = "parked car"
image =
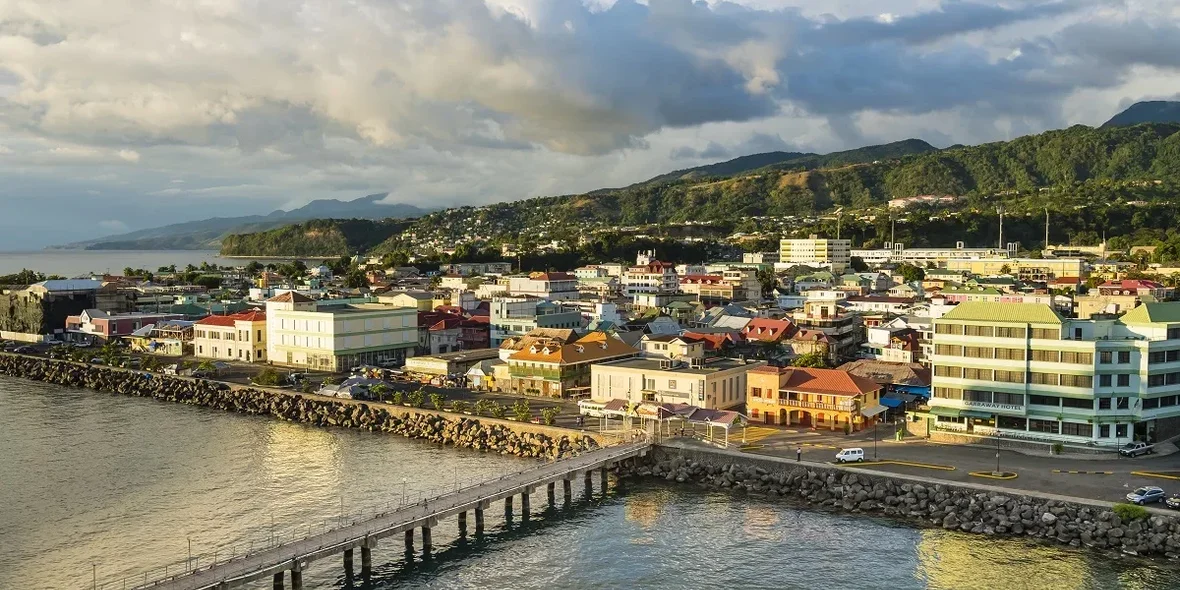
pixel 1173 501
pixel 23 350
pixel 853 455
pixel 1146 495
pixel 1134 449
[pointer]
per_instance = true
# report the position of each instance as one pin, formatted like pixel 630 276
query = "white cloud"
pixel 446 102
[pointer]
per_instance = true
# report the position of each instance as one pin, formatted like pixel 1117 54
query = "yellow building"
pixel 818 398
pixel 1033 269
pixel 816 251
pixel 419 300
pixel 237 337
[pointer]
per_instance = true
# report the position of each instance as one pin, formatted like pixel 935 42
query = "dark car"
pixel 1173 501
pixel 1146 495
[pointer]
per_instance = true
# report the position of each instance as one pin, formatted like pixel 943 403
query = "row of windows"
pixel 1015 376
pixel 1106 357
pixel 1124 380
pixel 1163 379
pixel 1161 402
pixel 975 395
pixel 1163 356
pixel 1053 427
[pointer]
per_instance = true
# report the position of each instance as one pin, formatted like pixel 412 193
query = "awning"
pixel 873 410
pixel 975 414
pixel 892 402
pixel 945 412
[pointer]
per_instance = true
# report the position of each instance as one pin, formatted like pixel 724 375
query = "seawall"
pixel 484 434
pixel 969 508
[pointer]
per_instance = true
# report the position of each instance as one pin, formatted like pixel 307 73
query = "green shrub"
pixel 482 406
pixel 437 400
pixel 549 415
pixel 1129 512
pixel 521 410
pixel 1058 448
pixel 398 396
pixel 459 406
pixel 416 398
pixel 268 377
pixel 498 410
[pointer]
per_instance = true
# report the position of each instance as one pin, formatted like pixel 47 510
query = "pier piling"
pixel 426 545
pixel 479 521
pixel 348 563
pixel 278 581
pixel 366 561
pixel 567 491
pixel 602 472
pixel 550 493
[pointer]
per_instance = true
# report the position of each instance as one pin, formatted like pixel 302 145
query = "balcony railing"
pixel 817 405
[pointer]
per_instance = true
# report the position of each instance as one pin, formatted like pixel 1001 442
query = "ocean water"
pixel 71 263
pixel 101 488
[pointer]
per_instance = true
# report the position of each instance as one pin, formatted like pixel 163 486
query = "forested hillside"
pixel 315 238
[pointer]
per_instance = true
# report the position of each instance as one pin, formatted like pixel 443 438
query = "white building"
pixel 717 384
pixel 336 336
pixel 554 286
pixel 654 277
pixel 237 337
pixel 517 316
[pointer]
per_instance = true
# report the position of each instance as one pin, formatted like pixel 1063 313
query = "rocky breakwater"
pixel 959 508
pixel 442 428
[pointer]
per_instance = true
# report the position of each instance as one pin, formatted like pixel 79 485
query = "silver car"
pixel 1146 495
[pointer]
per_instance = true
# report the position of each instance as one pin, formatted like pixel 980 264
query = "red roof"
pixel 690 279
pixel 767 330
pixel 824 381
pixel 228 321
pixel 552 276
pixel 716 340
pixel 291 297
pixel 1132 284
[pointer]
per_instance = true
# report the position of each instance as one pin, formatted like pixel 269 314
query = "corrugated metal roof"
pixel 1154 313
pixel 1016 313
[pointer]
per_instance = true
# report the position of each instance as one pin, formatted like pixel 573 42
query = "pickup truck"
pixel 1134 449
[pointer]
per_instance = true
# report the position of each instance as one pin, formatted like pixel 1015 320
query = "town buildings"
pixel 550 367
pixel 237 337
pixel 98 326
pixel 517 316
pixel 39 311
pixel 1023 370
pixel 652 277
pixel 337 335
pixel 554 286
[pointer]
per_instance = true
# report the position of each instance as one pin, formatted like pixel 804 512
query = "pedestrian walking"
pixel 798 454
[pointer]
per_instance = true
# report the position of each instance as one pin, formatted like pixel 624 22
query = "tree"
pixel 437 400
pixel 911 273
pixel 417 397
pixel 378 391
pixel 482 406
pixel 813 360
pixel 356 279
pixel 1005 270
pixel 521 410
pixel 858 264
pixel 459 406
pixel 208 281
pixel 268 377
pixel 768 280
pixel 254 268
pixel 549 415
pixel 498 410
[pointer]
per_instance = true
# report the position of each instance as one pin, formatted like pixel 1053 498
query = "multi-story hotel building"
pixel 337 335
pixel 815 251
pixel 1022 370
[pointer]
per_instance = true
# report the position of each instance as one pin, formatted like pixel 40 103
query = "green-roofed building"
pixel 1022 370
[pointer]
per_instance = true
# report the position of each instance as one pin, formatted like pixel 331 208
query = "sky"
pixel 127 114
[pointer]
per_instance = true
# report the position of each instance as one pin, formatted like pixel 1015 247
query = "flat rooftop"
pixel 478 354
pixel 362 308
pixel 653 364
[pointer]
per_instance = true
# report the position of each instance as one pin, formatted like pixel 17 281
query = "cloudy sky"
pixel 126 114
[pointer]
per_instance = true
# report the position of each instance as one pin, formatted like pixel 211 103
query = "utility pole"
pixel 892 230
pixel 1000 210
pixel 1046 229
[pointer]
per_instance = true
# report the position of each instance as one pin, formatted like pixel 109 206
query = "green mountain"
pixel 207 234
pixel 1151 111
pixel 318 238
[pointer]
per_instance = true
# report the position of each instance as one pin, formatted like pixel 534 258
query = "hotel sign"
pixel 1011 408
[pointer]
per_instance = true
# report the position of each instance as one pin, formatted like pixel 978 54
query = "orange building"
pixel 816 398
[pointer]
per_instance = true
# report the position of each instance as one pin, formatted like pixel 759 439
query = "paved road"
pixel 1035 473
pixel 332 542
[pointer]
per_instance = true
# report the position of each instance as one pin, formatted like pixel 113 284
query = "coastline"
pixel 485 434
pixel 924 502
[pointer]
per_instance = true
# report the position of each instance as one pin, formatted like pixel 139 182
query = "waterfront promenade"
pixel 364 534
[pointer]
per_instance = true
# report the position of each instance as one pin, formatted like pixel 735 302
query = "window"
pixel 1155 357
pixel 756 391
pixel 948 392
pixel 1048 356
pixel 1124 380
pixel 1077 381
pixel 1104 403
pixel 1151 404
pixel 1010 399
pixel 1104 381
pixel 1104 357
pixel 982 374
pixel 1120 430
pixel 1077 358
pixel 1011 423
pixel 1080 404
pixel 1122 403
pixel 1046 333
pixel 1104 431
pixel 1124 357
pixel 1010 376
pixel 1043 378
pixel 1002 332
pixel 1043 400
pixel 672 384
pixel 1174 333
pixel 948 371
pixel 1048 426
pixel 1075 429
pixel 978 352
pixel 1172 356
pixel 1010 354
pixel 948 349
pixel 1155 380
pixel 986 331
pixel 974 395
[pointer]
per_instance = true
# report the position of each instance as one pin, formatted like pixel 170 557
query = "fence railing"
pixel 330 528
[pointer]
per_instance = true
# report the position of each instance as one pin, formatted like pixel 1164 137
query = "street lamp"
pixel 190 552
pixel 874 439
pixel 403 491
pixel 997 454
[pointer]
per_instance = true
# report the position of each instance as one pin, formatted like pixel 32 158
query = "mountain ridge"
pixel 1147 111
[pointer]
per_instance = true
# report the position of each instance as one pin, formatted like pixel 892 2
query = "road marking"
pixel 902 463
pixel 1074 472
pixel 1153 474
pixel 992 475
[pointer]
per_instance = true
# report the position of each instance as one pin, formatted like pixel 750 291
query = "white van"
pixel 591 408
pixel 854 455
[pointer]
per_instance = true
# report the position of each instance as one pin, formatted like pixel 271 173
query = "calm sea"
pixel 93 485
pixel 72 263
